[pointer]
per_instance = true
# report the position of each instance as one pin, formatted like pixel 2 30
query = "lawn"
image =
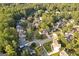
pixel 48 46
pixel 38 50
pixel 55 54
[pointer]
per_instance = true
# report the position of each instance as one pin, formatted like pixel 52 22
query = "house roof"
pixel 55 36
pixel 63 53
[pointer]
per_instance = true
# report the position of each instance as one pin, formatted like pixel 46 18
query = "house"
pixel 76 27
pixel 54 36
pixel 40 33
pixel 63 53
pixel 69 12
pixel 59 24
pixel 71 21
pixel 68 24
pixel 69 36
pixel 55 46
pixel 36 23
pixel 57 12
pixel 40 18
pixel 46 11
pixel 44 31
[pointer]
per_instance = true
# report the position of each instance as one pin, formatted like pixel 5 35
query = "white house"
pixel 40 18
pixel 46 11
pixel 63 53
pixel 56 46
pixel 57 12
pixel 54 35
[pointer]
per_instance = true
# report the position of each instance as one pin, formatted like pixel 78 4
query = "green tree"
pixel 9 50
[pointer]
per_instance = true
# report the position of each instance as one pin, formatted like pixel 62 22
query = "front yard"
pixel 47 46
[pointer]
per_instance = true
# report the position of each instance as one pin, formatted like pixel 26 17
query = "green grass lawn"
pixel 55 54
pixel 48 46
pixel 38 50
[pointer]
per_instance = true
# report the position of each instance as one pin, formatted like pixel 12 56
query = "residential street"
pixel 22 38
